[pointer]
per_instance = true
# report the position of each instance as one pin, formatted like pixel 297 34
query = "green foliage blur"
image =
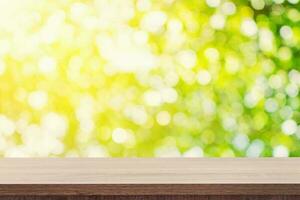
pixel 149 78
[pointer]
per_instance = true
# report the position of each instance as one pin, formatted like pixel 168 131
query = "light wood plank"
pixel 150 171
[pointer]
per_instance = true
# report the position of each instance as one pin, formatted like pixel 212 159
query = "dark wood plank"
pixel 34 198
pixel 151 189
pixel 154 197
pixel 148 197
pixel 250 197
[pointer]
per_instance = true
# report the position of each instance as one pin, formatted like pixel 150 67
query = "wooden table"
pixel 168 178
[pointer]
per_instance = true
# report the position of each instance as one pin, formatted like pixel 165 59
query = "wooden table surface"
pixel 217 178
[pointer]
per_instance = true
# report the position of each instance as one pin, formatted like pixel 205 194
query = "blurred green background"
pixel 149 78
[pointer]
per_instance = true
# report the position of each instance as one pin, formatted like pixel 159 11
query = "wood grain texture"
pixel 106 198
pixel 254 197
pixel 161 197
pixel 149 189
pixel 150 171
pixel 135 177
